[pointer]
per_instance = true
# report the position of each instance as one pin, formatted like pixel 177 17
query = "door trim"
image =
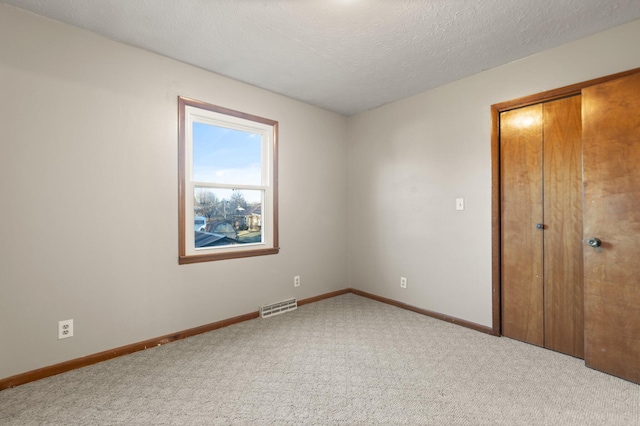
pixel 496 109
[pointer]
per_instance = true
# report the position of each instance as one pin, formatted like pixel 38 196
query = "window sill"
pixel 184 260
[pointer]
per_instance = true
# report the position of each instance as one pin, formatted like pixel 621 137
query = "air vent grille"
pixel 278 308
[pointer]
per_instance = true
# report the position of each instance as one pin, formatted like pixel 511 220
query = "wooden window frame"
pixel 272 246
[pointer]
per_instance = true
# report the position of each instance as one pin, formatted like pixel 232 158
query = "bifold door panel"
pixel 541 202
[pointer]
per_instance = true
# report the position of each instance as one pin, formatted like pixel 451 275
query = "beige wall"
pixel 88 189
pixel 410 160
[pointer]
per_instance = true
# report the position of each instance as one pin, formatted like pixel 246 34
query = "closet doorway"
pixel 566 221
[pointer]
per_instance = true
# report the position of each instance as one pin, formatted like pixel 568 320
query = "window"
pixel 228 205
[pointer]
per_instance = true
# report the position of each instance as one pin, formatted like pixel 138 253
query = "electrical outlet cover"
pixel 65 329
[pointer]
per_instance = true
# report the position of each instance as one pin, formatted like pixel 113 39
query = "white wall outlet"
pixel 403 282
pixel 65 329
pixel 296 281
pixel 459 203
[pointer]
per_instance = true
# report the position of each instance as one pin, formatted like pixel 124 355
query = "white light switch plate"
pixel 459 203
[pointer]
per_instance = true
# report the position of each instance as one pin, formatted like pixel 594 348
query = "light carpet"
pixel 347 360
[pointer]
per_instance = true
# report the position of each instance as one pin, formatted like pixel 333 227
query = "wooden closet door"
pixel 611 138
pixel 541 187
pixel 563 269
pixel 522 242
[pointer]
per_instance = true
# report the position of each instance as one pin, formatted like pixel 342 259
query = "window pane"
pixel 222 155
pixel 224 217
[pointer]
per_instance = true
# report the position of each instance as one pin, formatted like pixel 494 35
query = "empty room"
pixel 319 212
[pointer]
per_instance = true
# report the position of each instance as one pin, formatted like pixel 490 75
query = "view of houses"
pixel 220 222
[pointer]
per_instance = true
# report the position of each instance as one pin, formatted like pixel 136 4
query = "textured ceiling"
pixel 347 56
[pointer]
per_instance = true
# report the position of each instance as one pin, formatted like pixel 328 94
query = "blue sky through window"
pixel 222 155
